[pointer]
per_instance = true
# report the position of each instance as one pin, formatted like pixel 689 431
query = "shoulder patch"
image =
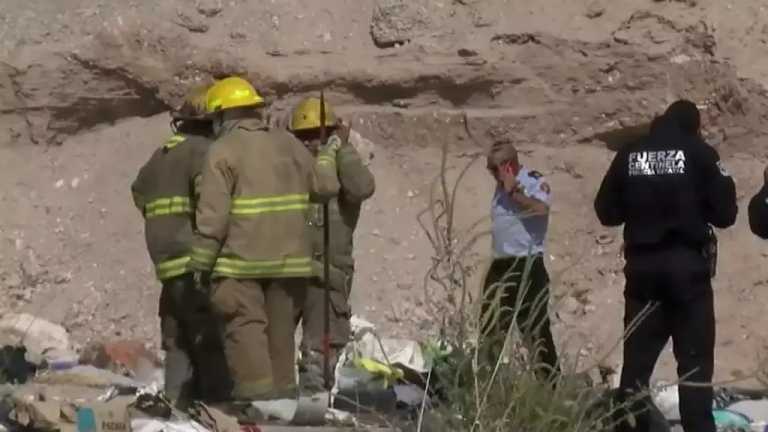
pixel 535 174
pixel 722 169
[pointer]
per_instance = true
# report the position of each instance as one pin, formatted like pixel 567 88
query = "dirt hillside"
pixel 85 86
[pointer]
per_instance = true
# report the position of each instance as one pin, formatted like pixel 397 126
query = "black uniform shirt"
pixel 666 188
pixel 758 213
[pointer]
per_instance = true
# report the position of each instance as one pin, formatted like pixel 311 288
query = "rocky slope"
pixel 84 86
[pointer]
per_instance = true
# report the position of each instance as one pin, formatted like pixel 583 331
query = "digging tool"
pixel 326 271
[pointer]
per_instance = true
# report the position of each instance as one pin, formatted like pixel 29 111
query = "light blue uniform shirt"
pixel 516 234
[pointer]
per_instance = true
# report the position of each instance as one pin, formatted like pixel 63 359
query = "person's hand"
pixel 342 130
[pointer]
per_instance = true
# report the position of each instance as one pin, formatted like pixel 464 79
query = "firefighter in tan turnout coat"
pixel 164 191
pixel 357 185
pixel 253 238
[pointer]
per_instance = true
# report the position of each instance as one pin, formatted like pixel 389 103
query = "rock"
pixel 515 38
pixel 192 24
pixel 42 339
pixel 476 61
pixel 464 52
pixel 571 306
pixel 605 239
pixel 401 103
pixel 240 35
pixel 595 9
pixel 209 8
pixel 398 21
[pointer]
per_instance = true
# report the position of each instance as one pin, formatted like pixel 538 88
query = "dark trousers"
pixel 195 366
pixel 518 289
pixel 673 288
pixel 312 317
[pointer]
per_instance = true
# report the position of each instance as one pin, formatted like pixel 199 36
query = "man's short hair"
pixel 500 153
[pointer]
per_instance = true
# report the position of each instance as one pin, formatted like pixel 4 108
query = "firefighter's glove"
pixel 332 146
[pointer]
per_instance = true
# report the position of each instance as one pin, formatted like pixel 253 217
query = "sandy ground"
pixel 71 244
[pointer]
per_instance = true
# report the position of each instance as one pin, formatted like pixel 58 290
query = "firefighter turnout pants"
pixel 312 316
pixel 258 333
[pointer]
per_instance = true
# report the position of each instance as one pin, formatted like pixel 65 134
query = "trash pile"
pixel 47 384
pixel 735 410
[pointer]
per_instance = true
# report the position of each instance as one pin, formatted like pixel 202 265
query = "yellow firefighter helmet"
pixel 307 115
pixel 232 92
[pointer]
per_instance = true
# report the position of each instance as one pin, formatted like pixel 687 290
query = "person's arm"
pixel 534 200
pixel 137 190
pixel 720 190
pixel 357 182
pixel 758 211
pixel 608 203
pixel 322 174
pixel 213 207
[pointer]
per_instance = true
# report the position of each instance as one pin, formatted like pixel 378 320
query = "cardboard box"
pixel 110 416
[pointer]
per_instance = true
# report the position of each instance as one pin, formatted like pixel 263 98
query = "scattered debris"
pixel 123 357
pixel 43 340
pixel 14 367
pixel 464 52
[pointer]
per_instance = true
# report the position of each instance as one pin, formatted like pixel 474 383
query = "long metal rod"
pixel 326 270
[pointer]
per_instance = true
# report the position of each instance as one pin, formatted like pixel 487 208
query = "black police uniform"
pixel 758 213
pixel 666 189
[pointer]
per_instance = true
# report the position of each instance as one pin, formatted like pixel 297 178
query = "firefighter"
pixel 357 185
pixel 253 239
pixel 666 189
pixel 164 192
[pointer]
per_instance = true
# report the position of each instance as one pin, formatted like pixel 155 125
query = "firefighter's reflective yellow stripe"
pixel 286 267
pixel 326 160
pixel 168 206
pixel 172 268
pixel 278 203
pixel 174 141
pixel 203 256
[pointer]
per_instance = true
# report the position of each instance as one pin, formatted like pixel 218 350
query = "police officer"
pixel 758 210
pixel 666 189
pixel 517 283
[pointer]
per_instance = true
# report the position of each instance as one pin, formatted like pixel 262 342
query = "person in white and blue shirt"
pixel 517 283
